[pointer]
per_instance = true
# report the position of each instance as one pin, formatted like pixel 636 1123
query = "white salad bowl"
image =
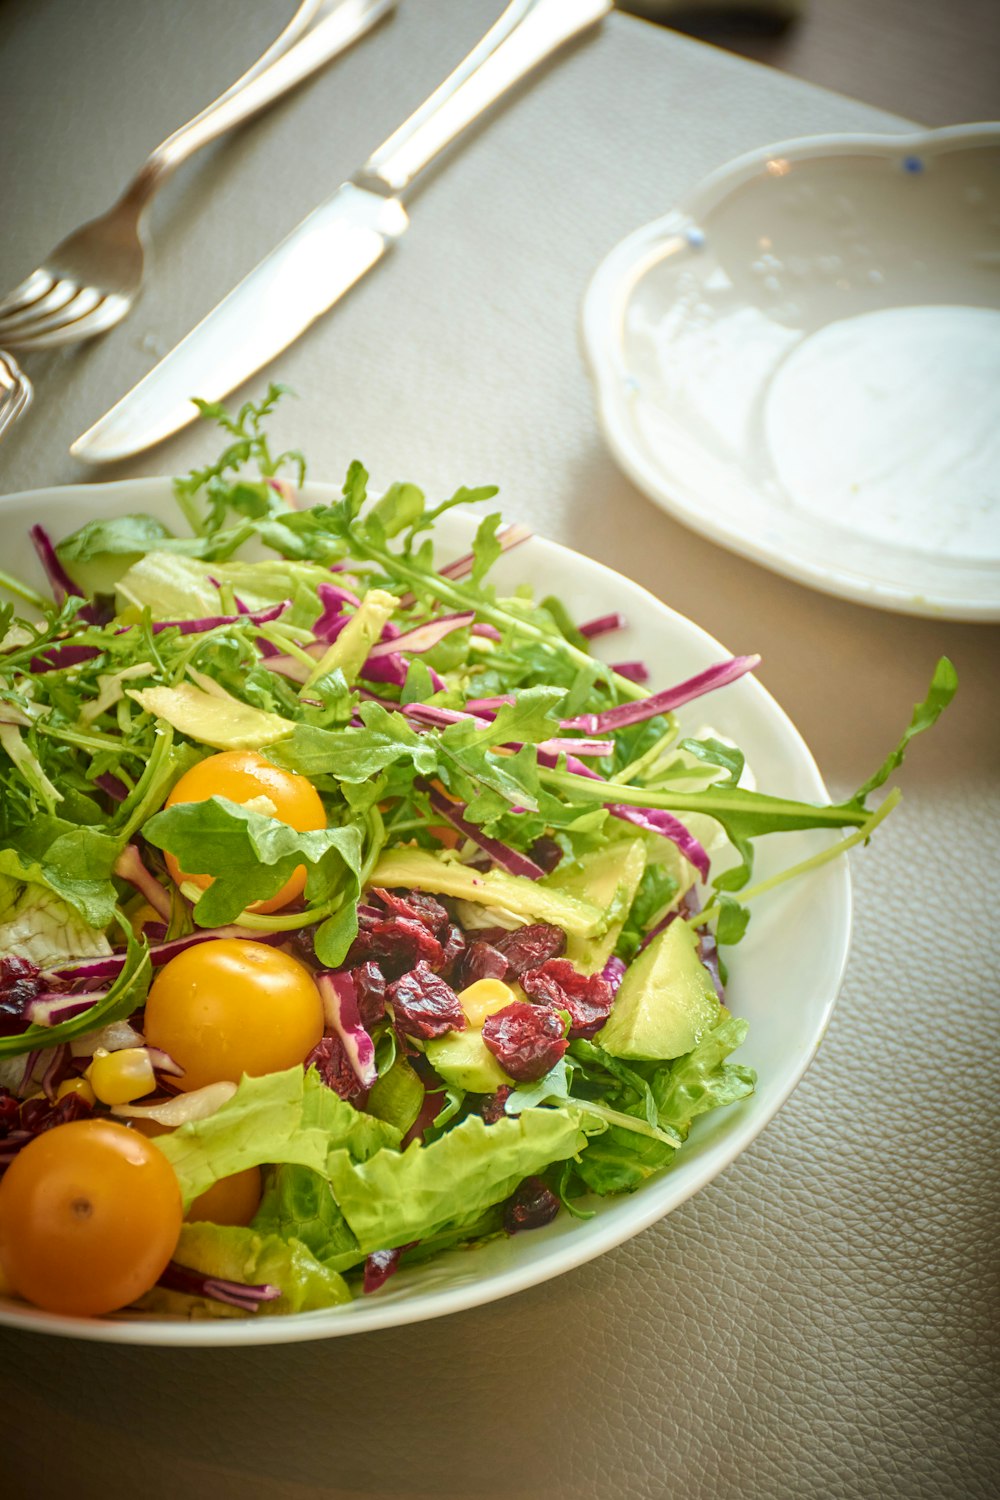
pixel 784 976
pixel 801 361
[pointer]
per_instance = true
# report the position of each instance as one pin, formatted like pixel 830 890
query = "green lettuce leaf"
pixel 282 1117
pixel 395 1197
pixel 231 1253
pixel 619 1160
pixel 298 1204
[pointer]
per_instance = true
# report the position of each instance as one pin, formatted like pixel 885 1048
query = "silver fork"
pixel 16 391
pixel 89 282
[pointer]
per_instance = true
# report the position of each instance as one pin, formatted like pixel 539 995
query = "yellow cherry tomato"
pixel 90 1213
pixel 244 776
pixel 229 1007
pixel 231 1200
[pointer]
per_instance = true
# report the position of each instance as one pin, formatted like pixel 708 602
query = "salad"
pixel 350 909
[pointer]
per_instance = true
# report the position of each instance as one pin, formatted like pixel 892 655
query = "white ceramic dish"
pixel 802 362
pixel 785 975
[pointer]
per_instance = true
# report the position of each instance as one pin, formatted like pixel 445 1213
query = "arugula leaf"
pixel 250 856
pixel 944 685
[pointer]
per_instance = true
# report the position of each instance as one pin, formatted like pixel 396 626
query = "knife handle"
pixel 526 34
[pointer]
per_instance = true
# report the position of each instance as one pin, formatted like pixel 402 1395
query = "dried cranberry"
pixel 453 946
pixel 530 1207
pixel 396 944
pixel 587 997
pixel 526 1040
pixel 331 1062
pixel 299 944
pixel 546 852
pixel 382 1264
pixel 425 1005
pixel 528 947
pixel 18 984
pixel 492 1107
pixel 38 1114
pixel 483 961
pixel 10 1112
pixel 369 987
pixel 416 906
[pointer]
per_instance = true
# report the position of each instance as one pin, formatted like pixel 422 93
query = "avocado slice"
pixel 607 878
pixel 420 870
pixel 666 1003
pixel 464 1061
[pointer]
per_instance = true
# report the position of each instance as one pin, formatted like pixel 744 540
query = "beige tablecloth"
pixel 820 1321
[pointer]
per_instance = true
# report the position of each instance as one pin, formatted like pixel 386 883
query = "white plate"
pixel 785 975
pixel 802 362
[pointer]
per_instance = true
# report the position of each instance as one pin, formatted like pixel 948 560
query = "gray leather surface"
pixel 821 1321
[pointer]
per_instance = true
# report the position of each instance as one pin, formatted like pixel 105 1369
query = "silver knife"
pixel 330 250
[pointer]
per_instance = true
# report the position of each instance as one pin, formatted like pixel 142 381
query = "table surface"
pixel 817 1322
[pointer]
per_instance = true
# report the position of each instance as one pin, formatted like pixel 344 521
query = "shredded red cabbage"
pixel 603 625
pixel 501 854
pixel 177 1278
pixel 667 700
pixel 340 1007
pixel 669 827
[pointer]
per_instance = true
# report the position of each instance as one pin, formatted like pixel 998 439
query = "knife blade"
pixel 310 270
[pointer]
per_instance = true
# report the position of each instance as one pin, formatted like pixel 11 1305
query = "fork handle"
pixel 526 34
pixel 262 84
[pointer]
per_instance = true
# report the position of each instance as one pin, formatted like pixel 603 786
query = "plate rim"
pixel 370 1315
pixel 602 306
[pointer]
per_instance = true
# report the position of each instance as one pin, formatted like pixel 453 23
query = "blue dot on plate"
pixel 913 164
pixel 695 237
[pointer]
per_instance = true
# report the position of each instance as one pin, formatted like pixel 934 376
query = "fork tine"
pixel 62 294
pixel 96 319
pixel 43 319
pixel 17 392
pixel 27 292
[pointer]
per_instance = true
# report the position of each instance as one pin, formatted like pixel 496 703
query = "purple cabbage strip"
pixel 489 705
pixel 340 1007
pixel 60 582
pixel 632 671
pixel 58 1065
pixel 332 620
pixel 508 859
pixel 210 622
pixel 116 790
pixel 58 658
pixel 603 625
pixel 392 668
pixel 49 1007
pixel 29 1067
pixel 614 972
pixel 655 820
pixel 176 1278
pixel 160 953
pixel 129 866
pixel 489 631
pixel 667 700
pixel 423 637
pixel 508 536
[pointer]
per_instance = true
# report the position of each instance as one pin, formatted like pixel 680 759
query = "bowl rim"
pixel 639 1212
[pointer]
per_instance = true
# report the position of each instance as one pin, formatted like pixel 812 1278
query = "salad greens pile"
pixel 467 746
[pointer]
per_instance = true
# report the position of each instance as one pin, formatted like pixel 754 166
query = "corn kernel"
pixel 120 1077
pixel 484 998
pixel 78 1086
